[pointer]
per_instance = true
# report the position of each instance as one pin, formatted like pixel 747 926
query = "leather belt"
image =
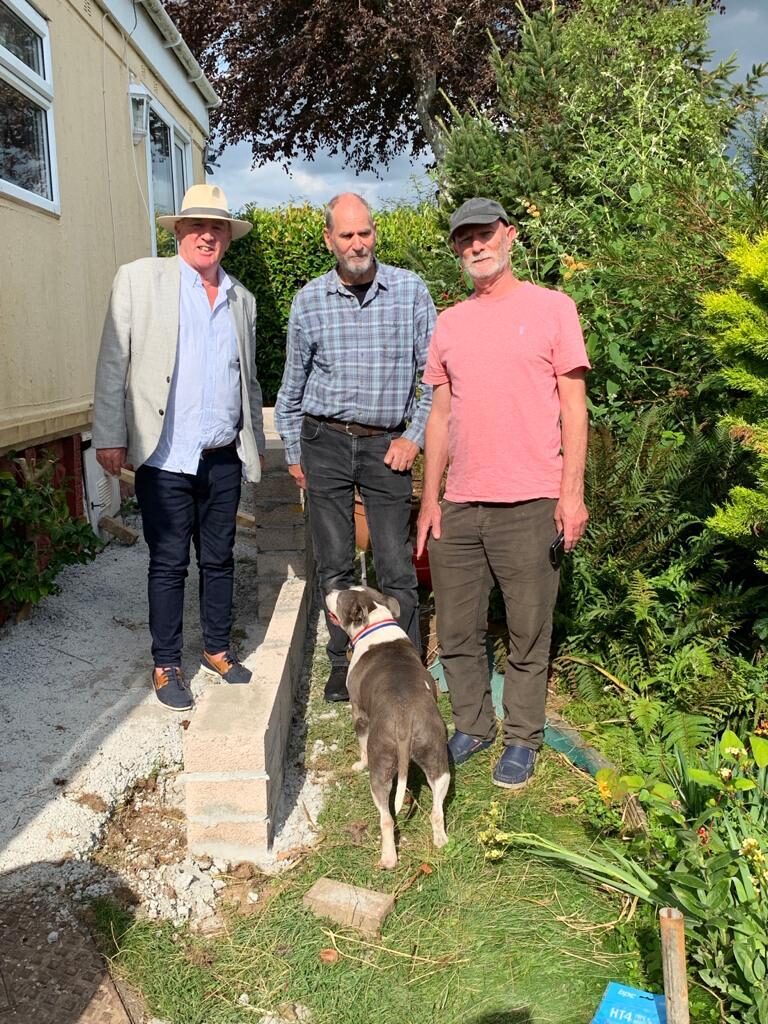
pixel 356 429
pixel 221 448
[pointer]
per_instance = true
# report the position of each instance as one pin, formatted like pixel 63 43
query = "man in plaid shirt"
pixel 348 413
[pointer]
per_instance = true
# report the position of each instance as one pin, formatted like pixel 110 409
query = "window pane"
pixel 162 167
pixel 180 176
pixel 23 142
pixel 20 39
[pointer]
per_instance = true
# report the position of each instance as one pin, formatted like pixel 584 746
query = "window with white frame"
pixel 27 146
pixel 169 155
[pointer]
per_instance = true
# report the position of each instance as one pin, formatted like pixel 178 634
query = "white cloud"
pixel 312 181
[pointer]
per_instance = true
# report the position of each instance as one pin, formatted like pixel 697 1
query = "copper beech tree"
pixel 367 78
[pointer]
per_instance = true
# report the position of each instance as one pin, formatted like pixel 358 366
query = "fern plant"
pixel 653 603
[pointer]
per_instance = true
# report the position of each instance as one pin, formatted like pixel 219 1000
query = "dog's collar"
pixel 367 630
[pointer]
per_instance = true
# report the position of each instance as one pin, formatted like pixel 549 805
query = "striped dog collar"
pixel 367 630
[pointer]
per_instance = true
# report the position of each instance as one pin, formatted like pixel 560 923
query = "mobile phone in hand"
pixel 557 550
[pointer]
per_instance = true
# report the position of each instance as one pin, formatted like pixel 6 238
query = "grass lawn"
pixel 473 941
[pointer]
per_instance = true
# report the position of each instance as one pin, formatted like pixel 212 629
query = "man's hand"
pixel 400 454
pixel 430 520
pixel 111 460
pixel 571 517
pixel 298 475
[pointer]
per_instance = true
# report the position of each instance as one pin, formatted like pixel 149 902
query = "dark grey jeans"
pixel 511 542
pixel 335 463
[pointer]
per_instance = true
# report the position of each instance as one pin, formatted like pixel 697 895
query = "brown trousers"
pixel 511 543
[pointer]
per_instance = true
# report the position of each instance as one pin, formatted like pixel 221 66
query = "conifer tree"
pixel 739 317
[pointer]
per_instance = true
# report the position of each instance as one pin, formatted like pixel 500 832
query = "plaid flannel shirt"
pixel 360 364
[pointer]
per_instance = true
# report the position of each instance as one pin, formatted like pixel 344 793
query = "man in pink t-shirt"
pixel 509 419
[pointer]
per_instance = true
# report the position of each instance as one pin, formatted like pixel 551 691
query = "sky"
pixel 742 30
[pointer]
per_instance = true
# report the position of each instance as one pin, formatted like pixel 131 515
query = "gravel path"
pixel 78 720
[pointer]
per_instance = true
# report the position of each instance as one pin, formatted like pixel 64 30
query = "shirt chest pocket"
pixel 394 342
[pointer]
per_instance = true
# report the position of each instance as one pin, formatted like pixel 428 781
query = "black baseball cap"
pixel 477 211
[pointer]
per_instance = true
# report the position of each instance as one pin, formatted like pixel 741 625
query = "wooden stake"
pixel 673 962
pixel 125 534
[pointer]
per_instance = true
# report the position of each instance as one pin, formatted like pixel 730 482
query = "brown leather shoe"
pixel 226 666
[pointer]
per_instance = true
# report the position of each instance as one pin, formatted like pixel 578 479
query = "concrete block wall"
pixel 235 747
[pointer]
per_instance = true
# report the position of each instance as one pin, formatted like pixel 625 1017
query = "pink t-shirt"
pixel 501 358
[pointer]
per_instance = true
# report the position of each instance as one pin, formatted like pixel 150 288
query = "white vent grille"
pixel 102 492
pixel 88 7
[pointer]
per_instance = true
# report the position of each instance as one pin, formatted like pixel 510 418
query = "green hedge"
pixel 286 249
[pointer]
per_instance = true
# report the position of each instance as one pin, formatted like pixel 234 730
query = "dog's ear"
pixel 359 609
pixel 352 610
pixel 387 600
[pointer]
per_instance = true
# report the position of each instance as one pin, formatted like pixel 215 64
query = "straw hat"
pixel 206 202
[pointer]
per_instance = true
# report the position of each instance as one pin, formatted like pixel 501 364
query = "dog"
pixel 394 709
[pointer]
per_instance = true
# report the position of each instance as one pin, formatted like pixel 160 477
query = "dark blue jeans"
pixel 177 507
pixel 335 463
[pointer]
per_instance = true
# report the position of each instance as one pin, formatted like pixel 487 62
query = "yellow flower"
pixel 603 789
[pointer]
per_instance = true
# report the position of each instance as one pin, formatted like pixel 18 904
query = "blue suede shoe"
pixel 461 746
pixel 514 769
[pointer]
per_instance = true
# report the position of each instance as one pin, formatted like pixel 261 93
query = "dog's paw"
pixel 439 839
pixel 359 766
pixel 388 863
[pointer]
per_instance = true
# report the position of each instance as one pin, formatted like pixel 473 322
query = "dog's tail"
pixel 403 732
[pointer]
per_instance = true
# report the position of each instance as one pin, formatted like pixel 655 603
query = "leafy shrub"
pixel 651 601
pixel 38 536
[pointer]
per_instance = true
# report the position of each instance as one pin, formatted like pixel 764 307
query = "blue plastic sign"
pixel 624 1005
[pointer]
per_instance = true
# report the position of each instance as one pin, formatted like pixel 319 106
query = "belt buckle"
pixel 347 430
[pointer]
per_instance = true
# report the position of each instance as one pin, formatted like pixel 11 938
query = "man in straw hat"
pixel 177 398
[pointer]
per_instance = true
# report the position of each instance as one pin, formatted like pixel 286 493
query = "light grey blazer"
pixel 138 355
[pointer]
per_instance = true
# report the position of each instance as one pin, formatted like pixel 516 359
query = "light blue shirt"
pixel 204 404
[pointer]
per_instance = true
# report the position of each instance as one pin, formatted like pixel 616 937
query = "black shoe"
pixel 336 687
